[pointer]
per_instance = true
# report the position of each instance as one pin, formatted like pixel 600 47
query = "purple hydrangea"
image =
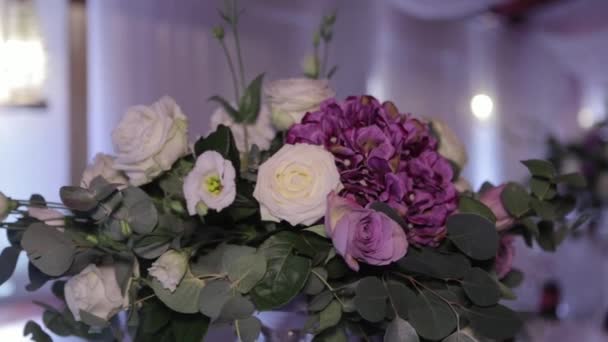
pixel 386 156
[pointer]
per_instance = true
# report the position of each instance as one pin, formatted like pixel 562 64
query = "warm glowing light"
pixel 586 118
pixel 482 106
pixel 22 71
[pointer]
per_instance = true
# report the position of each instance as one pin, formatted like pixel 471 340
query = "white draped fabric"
pixel 443 9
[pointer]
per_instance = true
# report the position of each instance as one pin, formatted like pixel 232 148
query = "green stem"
pixel 325 59
pixel 333 291
pixel 232 71
pixel 237 42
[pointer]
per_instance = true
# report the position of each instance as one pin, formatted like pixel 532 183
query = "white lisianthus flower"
pixel 148 140
pixel 96 291
pixel 50 217
pixel 103 165
pixel 211 183
pixel 169 269
pixel 261 133
pixel 450 147
pixel 294 183
pixel 291 99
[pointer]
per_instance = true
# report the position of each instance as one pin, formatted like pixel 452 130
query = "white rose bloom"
pixel 211 183
pixel 450 146
pixel 294 183
pixel 103 165
pixel 169 269
pixel 292 98
pixel 50 217
pixel 261 133
pixel 148 140
pixel 5 207
pixel 96 291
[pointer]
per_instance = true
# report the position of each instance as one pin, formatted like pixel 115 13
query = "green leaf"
pixel 237 307
pixel 399 330
pixel 516 199
pixel 513 279
pixel 370 299
pixel 530 226
pixel 250 102
pixel 429 262
pixel 151 246
pixel 336 268
pixel 544 209
pixel 575 180
pixel 496 322
pixel 142 214
pixel 320 301
pixel 314 285
pixel 330 316
pixel 234 114
pixel 542 188
pixel 470 205
pixel 123 268
pixel 540 168
pixel 92 320
pixel 231 254
pixel 248 329
pixel 460 336
pixel 390 212
pixel 55 322
pixel 58 289
pixel 334 334
pixel 221 141
pixel 8 262
pixel 474 235
pixel 480 287
pixel 247 271
pixel 77 198
pixel 286 273
pixel 185 298
pixel 38 335
pixel 37 278
pixel 432 317
pixel 189 328
pixel 318 229
pixel 400 297
pixel 154 316
pixel 48 249
pixel 546 238
pixel 213 297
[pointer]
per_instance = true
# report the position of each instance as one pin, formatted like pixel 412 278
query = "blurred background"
pixel 505 74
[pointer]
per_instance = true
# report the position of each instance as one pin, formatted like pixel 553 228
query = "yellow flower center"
pixel 213 184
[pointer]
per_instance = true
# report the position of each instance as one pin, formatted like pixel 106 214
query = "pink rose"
pixel 491 198
pixel 504 256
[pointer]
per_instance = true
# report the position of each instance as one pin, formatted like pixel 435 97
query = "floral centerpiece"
pixel 350 204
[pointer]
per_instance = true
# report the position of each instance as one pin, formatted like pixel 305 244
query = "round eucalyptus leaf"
pixel 143 215
pixel 330 316
pixel 474 235
pixel 401 297
pixel 370 299
pixel 495 322
pixel 50 250
pixel 185 298
pixel 432 317
pixel 237 307
pixel 399 330
pixel 213 297
pixel 248 329
pixel 320 301
pixel 314 285
pixel 231 253
pixel 151 246
pixel 246 271
pixel 480 287
pixel 77 198
pixel 460 336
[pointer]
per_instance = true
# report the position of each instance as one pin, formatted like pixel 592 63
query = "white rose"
pixel 210 183
pixel 148 140
pixel 169 269
pixel 261 133
pixel 462 185
pixel 450 147
pixel 96 291
pixel 50 217
pixel 103 165
pixel 294 183
pixel 292 98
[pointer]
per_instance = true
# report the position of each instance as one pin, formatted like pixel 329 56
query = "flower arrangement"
pixel 349 204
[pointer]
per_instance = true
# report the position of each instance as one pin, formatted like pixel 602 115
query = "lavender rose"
pixel 491 198
pixel 504 257
pixel 363 235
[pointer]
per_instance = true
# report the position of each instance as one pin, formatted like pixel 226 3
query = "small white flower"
pixel 291 99
pixel 148 140
pixel 96 291
pixel 103 165
pixel 294 183
pixel 450 147
pixel 169 269
pixel 261 133
pixel 211 182
pixel 50 217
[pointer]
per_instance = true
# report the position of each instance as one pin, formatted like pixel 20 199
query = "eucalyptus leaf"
pixel 8 262
pixel 496 322
pixel 513 279
pixel 542 188
pixel 431 263
pixel 142 214
pixel 320 301
pixel 237 307
pixel 210 263
pixel 188 327
pixel 248 329
pixel 77 198
pixel 546 239
pixel 432 317
pixel 330 316
pixel 92 320
pixel 55 322
pixel 480 287
pixel 48 249
pixel 575 180
pixel 247 271
pixel 38 335
pixel 370 299
pixel 334 334
pixel 540 168
pixel 474 235
pixel 401 297
pixel 37 278
pixel 213 297
pixel 232 253
pixel 151 246
pixel 460 336
pixel 314 285
pixel 544 209
pixel 516 199
pixel 185 298
pixel 399 330
pixel 470 205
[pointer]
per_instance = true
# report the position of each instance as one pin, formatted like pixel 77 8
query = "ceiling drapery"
pixel 443 9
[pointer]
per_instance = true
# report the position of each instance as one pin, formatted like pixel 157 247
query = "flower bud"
pixel 218 32
pixel 169 269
